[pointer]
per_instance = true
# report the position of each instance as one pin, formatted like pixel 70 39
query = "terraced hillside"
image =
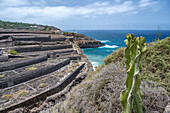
pixel 35 65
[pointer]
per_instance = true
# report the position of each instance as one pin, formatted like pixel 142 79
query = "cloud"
pixel 40 12
pixel 40 2
pixel 145 3
pixel 11 3
pixel 118 1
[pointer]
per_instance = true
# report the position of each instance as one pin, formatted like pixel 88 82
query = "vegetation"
pixel 42 85
pixel 76 64
pixel 117 55
pixel 69 33
pixel 22 93
pixel 12 52
pixel 155 64
pixel 2 75
pixel 30 68
pixel 132 97
pixel 70 71
pixel 5 97
pixel 101 89
pixel 100 93
pixel 25 26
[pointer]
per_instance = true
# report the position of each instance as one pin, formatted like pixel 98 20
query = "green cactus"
pixel 132 97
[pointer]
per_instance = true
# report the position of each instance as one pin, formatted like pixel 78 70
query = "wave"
pixel 104 41
pixel 95 64
pixel 108 46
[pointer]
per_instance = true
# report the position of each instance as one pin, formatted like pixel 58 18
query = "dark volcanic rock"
pixel 85 42
pixel 89 44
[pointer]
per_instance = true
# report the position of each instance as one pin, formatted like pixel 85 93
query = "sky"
pixel 90 14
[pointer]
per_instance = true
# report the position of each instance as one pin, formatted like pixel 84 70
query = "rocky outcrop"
pixel 85 42
pixel 89 44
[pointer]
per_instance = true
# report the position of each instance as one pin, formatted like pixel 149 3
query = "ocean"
pixel 113 40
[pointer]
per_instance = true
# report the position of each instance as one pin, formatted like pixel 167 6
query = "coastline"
pixel 84 42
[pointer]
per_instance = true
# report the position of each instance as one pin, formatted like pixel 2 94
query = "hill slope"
pixel 156 62
pixel 101 90
pixel 25 26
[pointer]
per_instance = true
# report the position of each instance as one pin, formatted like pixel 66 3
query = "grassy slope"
pixel 101 90
pixel 156 62
pixel 26 26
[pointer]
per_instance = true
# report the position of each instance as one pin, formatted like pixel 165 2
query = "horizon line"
pixel 118 29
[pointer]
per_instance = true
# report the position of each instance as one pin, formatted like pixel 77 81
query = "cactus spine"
pixel 132 98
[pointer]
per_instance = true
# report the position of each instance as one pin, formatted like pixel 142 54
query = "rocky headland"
pixel 83 41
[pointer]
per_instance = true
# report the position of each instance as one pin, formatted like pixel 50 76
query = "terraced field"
pixel 44 64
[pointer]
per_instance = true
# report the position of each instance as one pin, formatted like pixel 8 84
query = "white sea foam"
pixel 104 41
pixel 95 64
pixel 108 46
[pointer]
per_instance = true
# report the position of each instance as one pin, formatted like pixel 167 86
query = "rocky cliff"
pixel 83 41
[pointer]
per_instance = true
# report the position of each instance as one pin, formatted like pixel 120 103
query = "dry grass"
pixel 7 96
pixel 42 85
pixel 22 93
pixel 30 68
pixel 101 92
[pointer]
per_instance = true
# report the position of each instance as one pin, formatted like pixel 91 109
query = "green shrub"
pixel 2 75
pixel 12 52
pixel 155 63
pixel 117 55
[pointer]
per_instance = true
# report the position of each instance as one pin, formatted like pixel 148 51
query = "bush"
pixel 117 55
pixel 12 52
pixel 155 64
pixel 101 92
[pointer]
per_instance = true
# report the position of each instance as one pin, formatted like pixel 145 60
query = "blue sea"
pixel 114 39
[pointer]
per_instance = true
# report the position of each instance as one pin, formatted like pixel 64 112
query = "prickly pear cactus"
pixel 132 98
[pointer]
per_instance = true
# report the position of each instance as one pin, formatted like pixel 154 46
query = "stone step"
pixel 49 85
pixel 12 58
pixel 6 43
pixel 50 53
pixel 21 34
pixel 21 43
pixel 13 73
pixel 32 74
pixel 4 58
pixel 71 57
pixel 11 31
pixel 34 48
pixel 41 38
pixel 22 63
pixel 2 37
